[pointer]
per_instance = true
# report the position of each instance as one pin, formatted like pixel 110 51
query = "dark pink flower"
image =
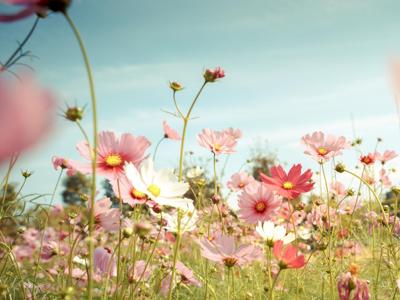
pixel 124 188
pixel 288 256
pixel 112 154
pixel 26 115
pixel 258 203
pixel 212 75
pixel 170 133
pixel 367 159
pixel 289 185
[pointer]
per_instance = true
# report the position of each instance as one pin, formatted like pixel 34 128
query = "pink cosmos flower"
pixel 49 250
pixel 289 185
pixel 288 256
pixel 239 181
pixel 323 147
pixel 124 187
pixel 212 75
pixel 258 203
pixel 103 262
pixel 347 283
pixel 338 189
pixel 386 156
pixel 59 162
pixel 26 115
pixel 170 133
pixel 224 251
pixel 218 142
pixel 186 277
pixel 139 272
pixel 106 216
pixel 113 153
pixel 31 7
pixel 384 178
pixel 235 133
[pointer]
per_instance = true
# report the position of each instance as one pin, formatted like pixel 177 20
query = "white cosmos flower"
pixel 162 186
pixel 195 172
pixel 271 233
pixel 188 220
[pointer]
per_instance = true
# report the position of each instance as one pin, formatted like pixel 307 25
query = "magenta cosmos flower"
pixel 323 147
pixel 218 142
pixel 26 115
pixel 170 133
pixel 124 188
pixel 224 251
pixel 239 181
pixel 289 185
pixel 288 256
pixel 31 7
pixel 212 75
pixel 60 162
pixel 112 154
pixel 258 203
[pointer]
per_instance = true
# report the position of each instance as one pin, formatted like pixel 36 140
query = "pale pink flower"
pixel 289 185
pixel 288 256
pixel 258 203
pixel 112 154
pixel 218 142
pixel 338 189
pixel 239 181
pixel 186 277
pixel 319 216
pixel 384 178
pixel 59 162
pixel 386 156
pixel 23 252
pixel 347 206
pixel 26 115
pixel 140 272
pixel 103 262
pixel 212 75
pixel 323 147
pixel 31 237
pixel 170 133
pixel 235 133
pixel 106 216
pixel 223 250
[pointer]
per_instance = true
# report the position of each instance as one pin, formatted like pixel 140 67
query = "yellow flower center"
pixel 287 185
pixel 154 190
pixel 113 160
pixel 137 195
pixel 217 147
pixel 260 206
pixel 322 151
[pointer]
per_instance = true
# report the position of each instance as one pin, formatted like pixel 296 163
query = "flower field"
pixel 116 225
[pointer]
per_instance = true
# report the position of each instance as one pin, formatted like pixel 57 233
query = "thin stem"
pixel 176 250
pixel 94 152
pixel 10 61
pixel 156 148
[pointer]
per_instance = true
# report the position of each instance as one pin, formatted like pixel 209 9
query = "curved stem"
pixel 94 151
pixel 10 61
pixel 156 149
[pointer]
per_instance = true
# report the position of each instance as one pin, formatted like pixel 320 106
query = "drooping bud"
pixel 340 168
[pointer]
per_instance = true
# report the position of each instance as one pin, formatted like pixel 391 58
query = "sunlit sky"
pixel 292 67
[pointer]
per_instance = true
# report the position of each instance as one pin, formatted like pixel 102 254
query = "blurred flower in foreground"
pixel 31 7
pixel 289 185
pixel 26 115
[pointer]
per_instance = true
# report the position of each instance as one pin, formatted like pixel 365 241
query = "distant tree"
pixel 75 186
pixel 261 160
pixel 109 192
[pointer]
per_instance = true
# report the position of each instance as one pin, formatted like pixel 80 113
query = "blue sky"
pixel 292 67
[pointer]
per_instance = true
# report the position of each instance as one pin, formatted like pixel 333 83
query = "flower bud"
pixel 74 114
pixel 26 174
pixel 175 86
pixel 127 232
pixel 142 228
pixel 340 168
pixel 215 199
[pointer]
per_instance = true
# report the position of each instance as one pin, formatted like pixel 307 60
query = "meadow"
pixel 116 226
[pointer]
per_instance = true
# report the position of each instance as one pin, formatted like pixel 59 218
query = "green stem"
pixel 94 151
pixel 176 250
pixel 156 149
